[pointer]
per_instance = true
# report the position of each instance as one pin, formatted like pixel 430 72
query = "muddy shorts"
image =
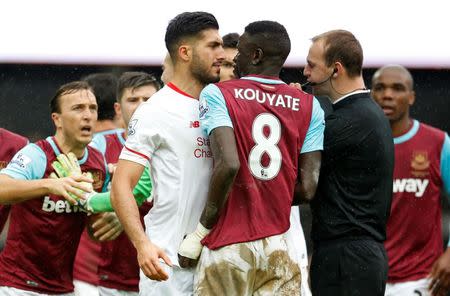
pixel 261 267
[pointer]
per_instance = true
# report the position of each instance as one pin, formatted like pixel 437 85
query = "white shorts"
pixel 85 289
pixel 411 288
pixel 104 291
pixel 297 247
pixel 261 267
pixel 10 291
pixel 180 283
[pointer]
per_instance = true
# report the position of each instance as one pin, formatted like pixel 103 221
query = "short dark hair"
pixel 104 86
pixel 65 89
pixel 185 25
pixel 134 80
pixel 230 40
pixel 276 38
pixel 342 46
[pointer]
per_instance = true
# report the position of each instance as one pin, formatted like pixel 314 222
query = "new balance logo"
pixel 194 124
pixel 417 186
pixel 59 206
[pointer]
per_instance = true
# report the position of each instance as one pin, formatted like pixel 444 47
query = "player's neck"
pixel 344 87
pixel 104 125
pixel 401 127
pixel 68 146
pixel 188 84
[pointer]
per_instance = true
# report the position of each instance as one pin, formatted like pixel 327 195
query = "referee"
pixel 354 194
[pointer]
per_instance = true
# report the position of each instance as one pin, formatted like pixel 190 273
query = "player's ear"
pixel 118 109
pixel 412 98
pixel 56 117
pixel 185 52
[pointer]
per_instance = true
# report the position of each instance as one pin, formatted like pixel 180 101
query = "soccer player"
pixel 10 143
pixel 45 226
pixel 118 270
pixel 266 138
pixel 104 86
pixel 421 174
pixel 165 133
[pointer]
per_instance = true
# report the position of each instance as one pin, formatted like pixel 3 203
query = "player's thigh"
pixel 226 271
pixel 411 288
pixel 277 270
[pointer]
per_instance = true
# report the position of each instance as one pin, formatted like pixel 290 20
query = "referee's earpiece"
pixel 335 70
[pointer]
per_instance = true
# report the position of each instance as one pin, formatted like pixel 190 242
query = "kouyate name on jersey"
pixel 277 100
pixel 411 185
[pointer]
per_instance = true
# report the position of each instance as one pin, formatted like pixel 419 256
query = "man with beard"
pixel 165 133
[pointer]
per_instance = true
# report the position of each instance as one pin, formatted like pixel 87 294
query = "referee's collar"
pixel 355 92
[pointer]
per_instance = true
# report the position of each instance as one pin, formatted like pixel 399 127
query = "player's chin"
pixel 85 139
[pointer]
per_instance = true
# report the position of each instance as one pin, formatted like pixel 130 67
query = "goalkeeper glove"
pixel 66 166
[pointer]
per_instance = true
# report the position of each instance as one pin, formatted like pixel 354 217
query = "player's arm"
pixel 308 176
pixel 14 191
pixel 310 157
pixel 22 179
pixel 125 178
pixel 440 272
pixel 216 123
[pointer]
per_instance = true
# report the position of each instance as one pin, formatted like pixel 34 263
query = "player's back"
pixel 270 122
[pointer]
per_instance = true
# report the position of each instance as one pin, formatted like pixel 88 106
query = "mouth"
pixel 86 130
pixel 387 110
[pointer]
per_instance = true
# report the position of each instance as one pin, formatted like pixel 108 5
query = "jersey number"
pixel 265 145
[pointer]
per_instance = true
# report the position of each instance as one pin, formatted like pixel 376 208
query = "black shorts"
pixel 349 267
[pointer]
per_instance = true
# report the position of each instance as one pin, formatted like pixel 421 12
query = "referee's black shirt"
pixel 355 186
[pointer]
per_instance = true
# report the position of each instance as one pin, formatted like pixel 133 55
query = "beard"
pixel 202 72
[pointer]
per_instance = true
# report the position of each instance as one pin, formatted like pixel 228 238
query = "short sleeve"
pixel 99 143
pixel 29 163
pixel 213 109
pixel 445 164
pixel 145 134
pixel 314 137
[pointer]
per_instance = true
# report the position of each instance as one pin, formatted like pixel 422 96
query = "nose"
pixel 306 71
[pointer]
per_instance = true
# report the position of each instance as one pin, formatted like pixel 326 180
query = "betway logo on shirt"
pixel 417 186
pixel 59 206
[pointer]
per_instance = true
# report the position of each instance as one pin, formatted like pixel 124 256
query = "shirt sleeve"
pixel 213 109
pixel 145 135
pixel 29 163
pixel 99 143
pixel 101 202
pixel 445 165
pixel 314 137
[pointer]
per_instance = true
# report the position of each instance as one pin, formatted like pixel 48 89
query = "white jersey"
pixel 165 132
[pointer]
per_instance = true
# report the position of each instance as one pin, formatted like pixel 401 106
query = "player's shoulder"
pixel 7 136
pixel 431 130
